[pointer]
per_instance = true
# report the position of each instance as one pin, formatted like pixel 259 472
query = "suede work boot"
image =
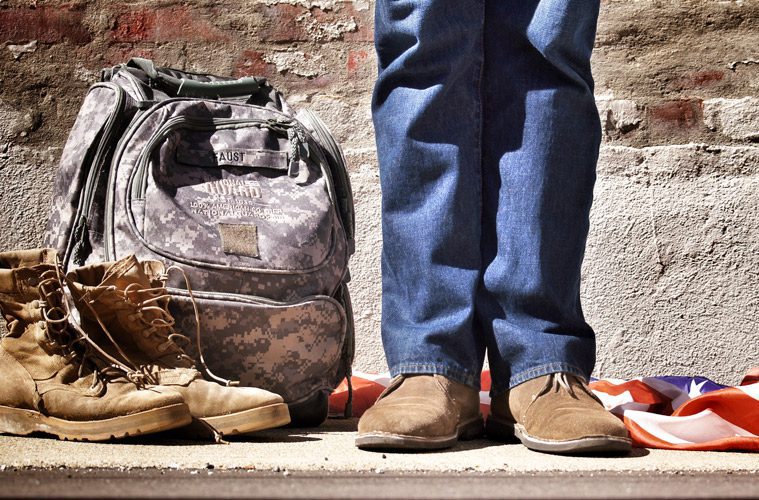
pixel 556 413
pixel 54 380
pixel 126 303
pixel 421 412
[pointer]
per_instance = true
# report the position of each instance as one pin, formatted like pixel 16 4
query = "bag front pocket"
pixel 228 193
pixel 292 349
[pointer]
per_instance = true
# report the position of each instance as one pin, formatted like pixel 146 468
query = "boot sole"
pixel 255 419
pixel 590 444
pixel 390 441
pixel 22 422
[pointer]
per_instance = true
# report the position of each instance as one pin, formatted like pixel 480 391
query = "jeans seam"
pixel 456 374
pixel 479 78
pixel 535 372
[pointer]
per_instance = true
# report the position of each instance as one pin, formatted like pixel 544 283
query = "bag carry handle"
pixel 186 87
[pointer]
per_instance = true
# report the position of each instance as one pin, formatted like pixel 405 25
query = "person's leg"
pixel 541 137
pixel 427 115
pixel 542 134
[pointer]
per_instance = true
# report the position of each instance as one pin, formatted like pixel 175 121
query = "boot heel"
pixel 18 421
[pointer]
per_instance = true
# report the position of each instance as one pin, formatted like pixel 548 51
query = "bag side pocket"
pixel 292 349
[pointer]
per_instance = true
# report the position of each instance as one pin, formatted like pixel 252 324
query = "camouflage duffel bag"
pixel 221 178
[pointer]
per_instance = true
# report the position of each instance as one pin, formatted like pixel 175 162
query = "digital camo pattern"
pixel 175 217
pixel 185 204
pixel 292 350
pixel 83 141
pixel 196 180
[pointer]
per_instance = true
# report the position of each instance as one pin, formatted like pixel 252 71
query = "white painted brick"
pixel 619 115
pixel 349 121
pixel 735 118
pixel 12 123
pixel 669 281
pixel 670 271
pixel 296 62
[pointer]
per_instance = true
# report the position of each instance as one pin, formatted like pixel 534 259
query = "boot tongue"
pixel 125 272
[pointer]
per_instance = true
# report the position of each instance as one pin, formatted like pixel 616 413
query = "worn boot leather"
pixel 556 413
pixel 421 412
pixel 125 305
pixel 54 381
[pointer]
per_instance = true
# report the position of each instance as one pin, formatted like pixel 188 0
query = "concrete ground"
pixel 323 463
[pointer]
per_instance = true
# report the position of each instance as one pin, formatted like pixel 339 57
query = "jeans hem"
pixel 456 374
pixel 535 372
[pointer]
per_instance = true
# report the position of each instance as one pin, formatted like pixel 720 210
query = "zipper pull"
pixel 294 166
pixel 82 247
pixel 298 148
pixel 280 125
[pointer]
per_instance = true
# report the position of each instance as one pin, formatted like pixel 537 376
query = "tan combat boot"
pixel 127 304
pixel 556 413
pixel 421 412
pixel 53 380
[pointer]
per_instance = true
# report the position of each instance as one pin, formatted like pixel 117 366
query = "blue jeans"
pixel 487 136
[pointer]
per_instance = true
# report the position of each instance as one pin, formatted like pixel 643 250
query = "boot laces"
pixel 559 381
pixel 54 312
pixel 64 334
pixel 160 319
pixel 555 383
pixel 152 311
pixel 164 294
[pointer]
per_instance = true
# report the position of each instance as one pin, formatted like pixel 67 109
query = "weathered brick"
pixel 683 113
pixel 253 63
pixel 356 59
pixel 698 79
pixel 292 23
pixel 735 118
pixel 164 25
pixel 674 226
pixel 297 63
pixel 290 84
pixel 349 120
pixel 323 26
pixel 44 24
pixel 673 244
pixel 619 116
pixel 364 23
pixel 280 23
pixel 118 54
pixel 12 123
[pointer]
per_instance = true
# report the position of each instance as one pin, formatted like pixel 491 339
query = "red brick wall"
pixel 671 282
pixel 656 63
pixel 305 48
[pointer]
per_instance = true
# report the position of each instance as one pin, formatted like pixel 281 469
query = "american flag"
pixel 676 413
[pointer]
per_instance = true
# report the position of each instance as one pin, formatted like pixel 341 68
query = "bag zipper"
pixel 140 179
pixel 254 299
pixel 281 118
pixel 80 244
